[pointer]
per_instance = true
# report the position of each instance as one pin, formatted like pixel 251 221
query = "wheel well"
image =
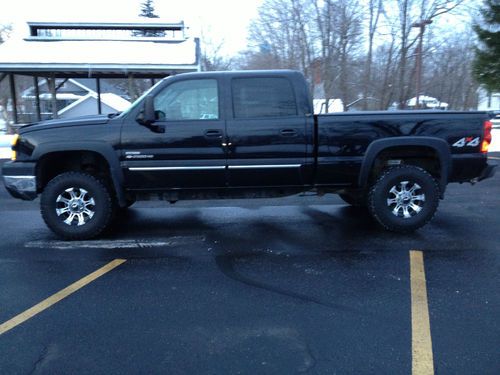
pixel 55 163
pixel 424 157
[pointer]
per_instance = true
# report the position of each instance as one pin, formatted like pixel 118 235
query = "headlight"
pixel 15 141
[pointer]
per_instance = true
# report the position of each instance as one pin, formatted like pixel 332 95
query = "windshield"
pixel 139 100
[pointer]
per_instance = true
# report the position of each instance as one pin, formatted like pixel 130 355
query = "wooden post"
pixel 99 105
pixel 52 86
pixel 37 99
pixel 152 82
pixel 131 88
pixel 12 84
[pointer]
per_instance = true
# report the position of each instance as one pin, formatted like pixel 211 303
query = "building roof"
pixel 114 101
pixel 111 100
pixel 145 23
pixel 76 87
pixel 108 56
pixel 101 49
pixel 106 86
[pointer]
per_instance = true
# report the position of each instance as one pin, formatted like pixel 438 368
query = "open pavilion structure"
pixel 58 51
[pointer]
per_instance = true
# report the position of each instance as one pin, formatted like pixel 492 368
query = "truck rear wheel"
pixel 76 206
pixel 404 198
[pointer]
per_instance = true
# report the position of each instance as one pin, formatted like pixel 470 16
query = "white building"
pixel 488 101
pixel 75 97
pixel 55 51
pixel 334 105
pixel 427 102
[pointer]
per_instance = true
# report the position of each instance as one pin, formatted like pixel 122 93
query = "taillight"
pixel 486 136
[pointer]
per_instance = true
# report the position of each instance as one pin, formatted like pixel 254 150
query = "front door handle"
pixel 288 132
pixel 213 133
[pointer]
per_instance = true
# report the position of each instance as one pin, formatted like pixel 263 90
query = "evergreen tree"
pixel 5 31
pixel 487 61
pixel 148 11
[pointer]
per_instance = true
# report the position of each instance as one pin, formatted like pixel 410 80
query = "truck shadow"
pixel 316 230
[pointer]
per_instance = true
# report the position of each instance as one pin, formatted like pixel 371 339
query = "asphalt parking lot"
pixel 297 285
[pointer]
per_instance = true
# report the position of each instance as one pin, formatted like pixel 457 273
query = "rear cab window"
pixel 263 97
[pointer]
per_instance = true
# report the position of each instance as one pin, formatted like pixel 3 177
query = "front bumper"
pixel 20 180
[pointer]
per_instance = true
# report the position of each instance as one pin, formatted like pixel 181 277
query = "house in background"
pixel 75 97
pixel 488 101
pixel 334 105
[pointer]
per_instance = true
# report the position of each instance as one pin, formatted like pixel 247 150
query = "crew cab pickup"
pixel 244 135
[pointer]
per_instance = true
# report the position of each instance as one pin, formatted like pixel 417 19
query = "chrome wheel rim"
pixel 406 199
pixel 75 206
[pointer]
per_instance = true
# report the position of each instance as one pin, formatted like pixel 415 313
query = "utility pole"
pixel 421 25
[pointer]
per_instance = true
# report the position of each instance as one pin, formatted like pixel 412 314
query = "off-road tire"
pixel 380 195
pixel 102 209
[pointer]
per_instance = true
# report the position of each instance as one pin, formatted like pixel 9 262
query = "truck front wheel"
pixel 76 206
pixel 404 198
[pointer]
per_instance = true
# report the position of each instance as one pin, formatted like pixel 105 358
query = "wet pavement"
pixel 281 286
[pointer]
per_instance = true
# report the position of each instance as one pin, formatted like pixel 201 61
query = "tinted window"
pixel 188 100
pixel 263 97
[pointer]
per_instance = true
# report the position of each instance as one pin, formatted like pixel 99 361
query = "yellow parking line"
pixel 422 359
pixel 48 302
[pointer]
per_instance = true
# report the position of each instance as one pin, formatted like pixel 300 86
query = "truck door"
pixel 266 135
pixel 189 154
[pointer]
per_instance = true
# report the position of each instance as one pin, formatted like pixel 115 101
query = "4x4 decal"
pixel 467 142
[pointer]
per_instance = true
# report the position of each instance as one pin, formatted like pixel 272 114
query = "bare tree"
pixel 385 67
pixel 212 56
pixel 339 29
pixel 5 31
pixel 449 70
pixel 281 33
pixel 403 19
pixel 350 53
pixel 349 36
pixel 374 12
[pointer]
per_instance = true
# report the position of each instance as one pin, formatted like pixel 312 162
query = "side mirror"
pixel 148 116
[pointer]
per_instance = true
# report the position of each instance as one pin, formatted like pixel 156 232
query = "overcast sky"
pixel 220 19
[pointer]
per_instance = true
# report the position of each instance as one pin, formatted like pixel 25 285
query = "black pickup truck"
pixel 244 135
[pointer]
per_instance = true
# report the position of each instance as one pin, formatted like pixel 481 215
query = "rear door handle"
pixel 288 132
pixel 213 133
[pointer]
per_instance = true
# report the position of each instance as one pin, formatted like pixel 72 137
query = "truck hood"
pixel 61 123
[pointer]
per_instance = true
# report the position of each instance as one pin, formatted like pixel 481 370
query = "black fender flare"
pixel 101 148
pixel 440 146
